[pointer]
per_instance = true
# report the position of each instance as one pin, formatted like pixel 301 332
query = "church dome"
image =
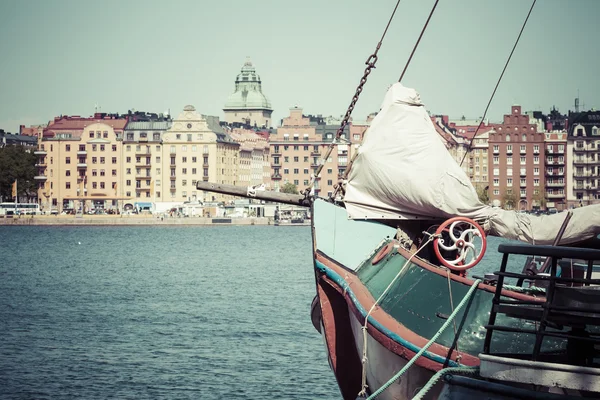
pixel 248 91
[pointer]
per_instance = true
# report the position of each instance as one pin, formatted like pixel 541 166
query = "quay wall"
pixel 128 220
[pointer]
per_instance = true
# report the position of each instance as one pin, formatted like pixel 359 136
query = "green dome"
pixel 248 92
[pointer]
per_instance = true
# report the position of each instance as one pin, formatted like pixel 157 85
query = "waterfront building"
pixel 247 104
pixel 143 160
pixel 516 162
pixel 33 130
pixel 253 165
pixel 297 148
pixel 79 163
pixel 555 144
pixel 195 147
pixel 583 152
pixel 9 139
pixel 478 161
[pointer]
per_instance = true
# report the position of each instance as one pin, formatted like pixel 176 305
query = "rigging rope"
pixel 498 83
pixel 370 65
pixel 418 40
pixel 347 171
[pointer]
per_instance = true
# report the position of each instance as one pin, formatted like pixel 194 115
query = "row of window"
pixel 95 147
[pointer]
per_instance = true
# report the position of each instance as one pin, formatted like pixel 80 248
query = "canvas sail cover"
pixel 404 171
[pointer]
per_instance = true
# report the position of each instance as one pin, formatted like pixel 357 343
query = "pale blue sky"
pixel 63 57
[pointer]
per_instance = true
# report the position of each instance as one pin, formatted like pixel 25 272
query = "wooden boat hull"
pixel 401 324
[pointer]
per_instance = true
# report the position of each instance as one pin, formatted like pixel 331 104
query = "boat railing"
pixel 570 312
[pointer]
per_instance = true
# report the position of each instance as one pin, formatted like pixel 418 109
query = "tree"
pixel 509 200
pixel 482 193
pixel 17 164
pixel 538 200
pixel 289 187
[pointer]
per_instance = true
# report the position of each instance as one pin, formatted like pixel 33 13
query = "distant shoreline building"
pixel 248 105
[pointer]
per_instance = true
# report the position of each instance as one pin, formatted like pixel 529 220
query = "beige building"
pixel 195 148
pixel 253 165
pixel 143 162
pixel 80 164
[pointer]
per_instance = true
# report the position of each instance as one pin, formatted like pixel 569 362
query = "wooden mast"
pixel 251 193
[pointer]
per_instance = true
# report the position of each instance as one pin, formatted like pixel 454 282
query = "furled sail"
pixel 404 171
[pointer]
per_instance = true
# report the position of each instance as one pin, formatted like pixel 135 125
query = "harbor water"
pixel 161 313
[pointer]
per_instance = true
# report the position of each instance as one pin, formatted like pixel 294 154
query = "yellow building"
pixel 195 147
pixel 79 164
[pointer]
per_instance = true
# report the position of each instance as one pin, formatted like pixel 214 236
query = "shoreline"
pixel 128 220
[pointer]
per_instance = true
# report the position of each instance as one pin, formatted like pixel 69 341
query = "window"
pixel 296 170
pixel 536 159
pixel 68 160
pixel 102 173
pixel 157 171
pixel 94 185
pixel 68 147
pixel 536 171
pixel 496 160
pixel 296 159
pixel 114 160
pixel 496 192
pixel 184 171
pixel 508 160
pixel 509 149
pixel 156 136
pixel 94 160
pixel 102 185
pixel 68 185
pixel 286 171
pixel 296 147
pixel 184 159
pixel 194 159
pixel 68 172
pixel 523 160
pixel 509 171
pixel 128 182
pixel 102 147
pixel 105 134
pixel 509 181
pixel 496 171
pixel 183 148
pixel 507 137
pixel 524 139
pixel 189 137
pixel 536 182
pixel 496 182
pixel 102 160
pixel 91 134
pixel 178 136
pixel 286 159
pixel 305 170
pixel 296 182
pixel 184 182
pixel 173 151
pixel 329 182
pixel 114 172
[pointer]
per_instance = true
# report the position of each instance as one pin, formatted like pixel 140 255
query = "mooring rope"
pixel 363 391
pixel 435 378
pixel 431 341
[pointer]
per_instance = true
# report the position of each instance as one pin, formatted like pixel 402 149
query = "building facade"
pixel 555 144
pixel 247 104
pixel 297 149
pixel 79 164
pixel 516 162
pixel 195 147
pixel 583 152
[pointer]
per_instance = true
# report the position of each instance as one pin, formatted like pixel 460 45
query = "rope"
pixel 523 289
pixel 363 391
pixel 498 83
pixel 435 378
pixel 418 40
pixel 452 306
pixel 370 65
pixel 431 341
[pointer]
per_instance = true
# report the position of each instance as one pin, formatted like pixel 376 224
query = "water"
pixel 159 313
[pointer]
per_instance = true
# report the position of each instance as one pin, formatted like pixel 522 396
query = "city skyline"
pixel 64 57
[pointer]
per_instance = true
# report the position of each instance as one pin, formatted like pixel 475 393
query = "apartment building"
pixel 297 149
pixel 583 152
pixel 555 144
pixel 516 162
pixel 79 164
pixel 143 161
pixel 195 147
pixel 253 165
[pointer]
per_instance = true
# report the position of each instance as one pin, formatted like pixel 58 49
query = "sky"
pixel 65 57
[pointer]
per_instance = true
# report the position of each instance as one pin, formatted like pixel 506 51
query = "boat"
pixel 395 300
